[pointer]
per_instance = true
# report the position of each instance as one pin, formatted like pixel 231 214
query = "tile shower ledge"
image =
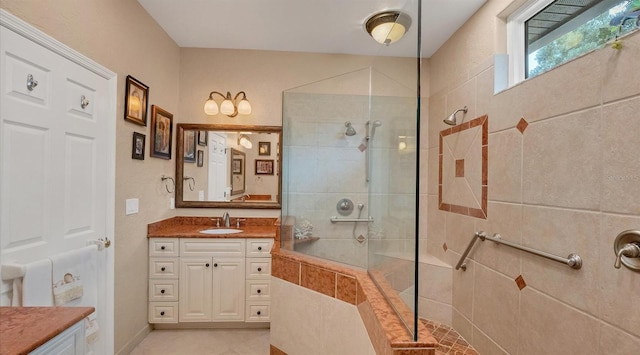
pixel 23 329
pixel 386 331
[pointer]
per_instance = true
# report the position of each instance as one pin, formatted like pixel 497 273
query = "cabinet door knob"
pixel 258 312
pixel 259 269
pixel 162 247
pixel 215 265
pixel 259 291
pixel 162 313
pixel 259 248
pixel 162 268
pixel 161 291
pixel 207 264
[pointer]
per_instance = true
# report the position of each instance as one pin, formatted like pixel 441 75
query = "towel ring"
pixel 191 183
pixel 166 185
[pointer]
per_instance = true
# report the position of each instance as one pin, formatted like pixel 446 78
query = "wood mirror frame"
pixel 180 203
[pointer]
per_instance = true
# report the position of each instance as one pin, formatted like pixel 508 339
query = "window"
pixel 543 34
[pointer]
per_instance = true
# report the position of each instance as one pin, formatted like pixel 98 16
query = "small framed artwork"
pixel 200 158
pixel 161 132
pixel 264 167
pixel 190 146
pixel 264 148
pixel 202 138
pixel 137 150
pixel 136 101
pixel 236 166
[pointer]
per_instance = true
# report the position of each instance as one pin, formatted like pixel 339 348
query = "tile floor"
pixel 205 342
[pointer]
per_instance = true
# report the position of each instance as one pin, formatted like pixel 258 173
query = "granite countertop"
pixel 23 329
pixel 190 227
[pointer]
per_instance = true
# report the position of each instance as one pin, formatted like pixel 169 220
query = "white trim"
pixel 24 29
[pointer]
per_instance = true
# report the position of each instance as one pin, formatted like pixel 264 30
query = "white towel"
pixel 36 284
pixel 75 283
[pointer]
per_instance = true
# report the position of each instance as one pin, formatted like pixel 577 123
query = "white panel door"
pixel 228 289
pixel 217 166
pixel 194 303
pixel 56 157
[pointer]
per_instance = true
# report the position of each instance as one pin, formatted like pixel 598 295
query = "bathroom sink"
pixel 221 231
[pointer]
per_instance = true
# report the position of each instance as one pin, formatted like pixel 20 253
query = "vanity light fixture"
pixel 451 120
pixel 244 141
pixel 388 26
pixel 230 106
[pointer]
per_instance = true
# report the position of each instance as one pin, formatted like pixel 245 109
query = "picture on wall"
pixel 264 148
pixel 202 138
pixel 161 132
pixel 136 101
pixel 190 146
pixel 264 167
pixel 200 158
pixel 137 150
pixel 236 166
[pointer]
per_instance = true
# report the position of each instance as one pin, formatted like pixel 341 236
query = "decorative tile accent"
pixel 449 341
pixel 520 282
pixel 318 279
pixel 275 351
pixel 463 168
pixel 346 289
pixel 288 270
pixel 522 125
pixel 460 168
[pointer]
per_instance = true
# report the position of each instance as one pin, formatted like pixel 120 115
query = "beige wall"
pixel 568 183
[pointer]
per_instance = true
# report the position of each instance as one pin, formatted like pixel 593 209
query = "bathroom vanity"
pixel 207 279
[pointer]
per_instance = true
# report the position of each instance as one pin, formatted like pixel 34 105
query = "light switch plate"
pixel 172 203
pixel 131 206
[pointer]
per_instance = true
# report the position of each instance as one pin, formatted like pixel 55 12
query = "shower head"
pixel 451 120
pixel 350 130
pixel 377 123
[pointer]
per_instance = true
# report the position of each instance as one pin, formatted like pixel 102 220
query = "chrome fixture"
pixel 350 130
pixel 627 249
pixel 360 238
pixel 244 141
pixel 225 219
pixel 371 131
pixel 166 185
pixel 244 197
pixel 230 106
pixel 335 219
pixel 238 220
pixel 451 120
pixel 344 207
pixel 31 83
pixel 574 261
pixel 387 27
pixel 191 182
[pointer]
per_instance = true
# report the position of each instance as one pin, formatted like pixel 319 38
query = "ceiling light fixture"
pixel 230 106
pixel 388 26
pixel 244 141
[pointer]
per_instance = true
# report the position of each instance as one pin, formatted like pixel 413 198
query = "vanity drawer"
pixel 164 268
pixel 258 268
pixel 259 247
pixel 163 290
pixel 257 290
pixel 257 311
pixel 163 312
pixel 220 247
pixel 163 247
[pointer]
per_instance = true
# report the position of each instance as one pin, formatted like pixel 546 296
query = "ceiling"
pixel 316 26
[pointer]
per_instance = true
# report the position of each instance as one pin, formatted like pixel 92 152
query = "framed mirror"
pixel 223 174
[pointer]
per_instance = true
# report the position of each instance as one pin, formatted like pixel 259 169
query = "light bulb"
pixel 227 107
pixel 244 107
pixel 210 107
pixel 388 33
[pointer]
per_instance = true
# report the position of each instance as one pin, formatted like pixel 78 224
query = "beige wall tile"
pixel 621 148
pixel 435 282
pixel 343 331
pixel 616 342
pixel 561 232
pixel 618 286
pixel 460 230
pixel 495 309
pixel 463 326
pixel 505 166
pixel 437 113
pixel 551 327
pixel 505 219
pixel 435 311
pixel 617 64
pixel 484 345
pixel 461 96
pixel 463 290
pixel 433 170
pixel 436 236
pixel 562 160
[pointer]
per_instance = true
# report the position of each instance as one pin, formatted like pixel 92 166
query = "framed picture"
pixel 236 166
pixel 137 147
pixel 200 158
pixel 202 138
pixel 264 167
pixel 136 101
pixel 190 146
pixel 161 132
pixel 264 148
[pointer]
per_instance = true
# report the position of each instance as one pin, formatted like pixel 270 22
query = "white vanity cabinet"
pixel 209 280
pixel 70 341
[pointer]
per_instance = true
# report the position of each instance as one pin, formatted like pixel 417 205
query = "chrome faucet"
pixel 225 219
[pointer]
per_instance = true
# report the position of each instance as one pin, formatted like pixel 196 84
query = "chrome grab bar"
pixel 335 219
pixel 574 261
